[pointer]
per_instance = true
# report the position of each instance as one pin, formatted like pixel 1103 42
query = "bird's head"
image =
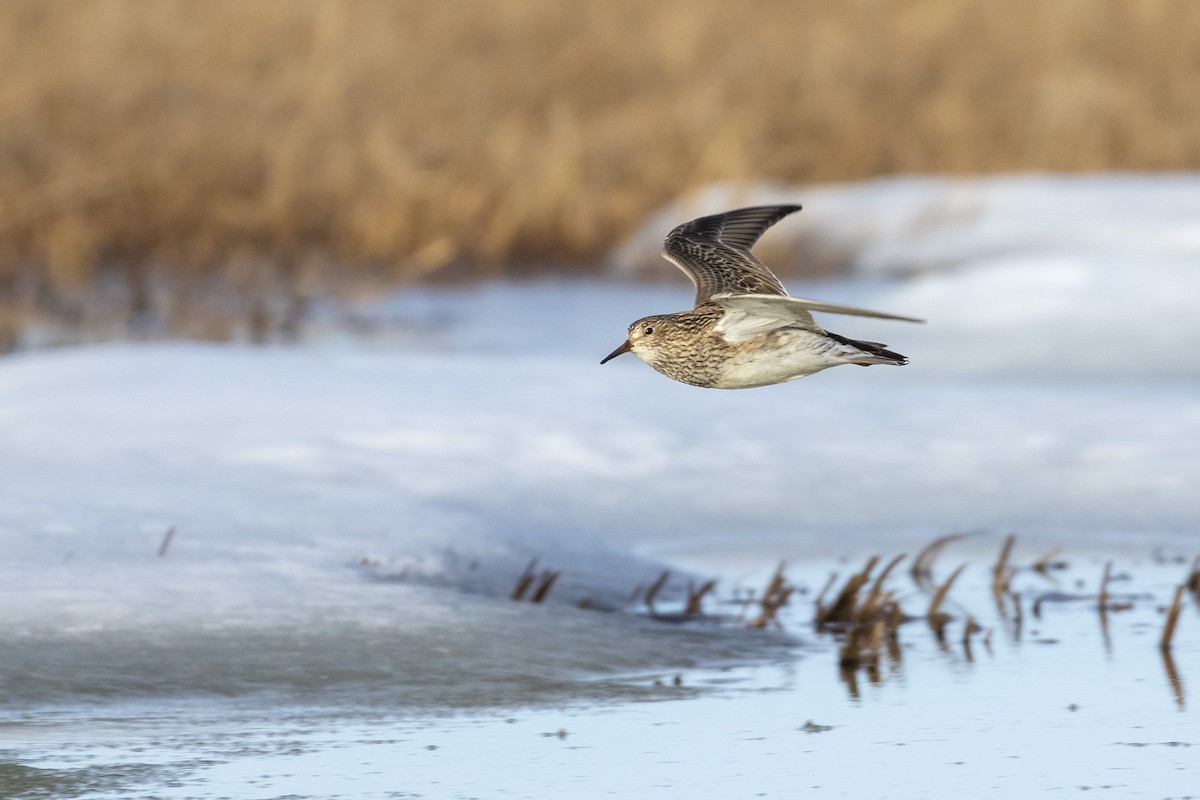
pixel 641 340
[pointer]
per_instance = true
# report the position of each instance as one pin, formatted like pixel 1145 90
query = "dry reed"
pixel 922 568
pixel 651 594
pixel 695 596
pixel 1001 573
pixel 1172 619
pixel 1102 598
pixel 867 624
pixel 290 144
pixel 1049 562
pixel 525 580
pixel 937 618
pixel 545 582
pixel 841 611
pixel 877 598
pixel 819 602
pixel 774 597
pixel 970 628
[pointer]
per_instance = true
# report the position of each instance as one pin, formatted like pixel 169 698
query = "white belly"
pixel 785 356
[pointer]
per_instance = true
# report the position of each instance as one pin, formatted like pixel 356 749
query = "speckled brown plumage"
pixel 714 252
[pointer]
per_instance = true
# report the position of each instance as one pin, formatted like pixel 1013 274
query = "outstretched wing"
pixel 750 315
pixel 714 252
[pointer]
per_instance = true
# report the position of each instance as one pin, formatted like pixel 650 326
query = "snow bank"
pixel 391 492
pixel 896 227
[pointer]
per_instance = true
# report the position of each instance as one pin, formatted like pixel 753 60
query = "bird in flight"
pixel 745 330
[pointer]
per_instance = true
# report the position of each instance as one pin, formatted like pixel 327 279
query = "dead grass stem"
pixel 843 607
pixel 1001 573
pixel 651 593
pixel 525 580
pixel 774 597
pixel 1172 619
pixel 969 629
pixel 935 616
pixel 877 598
pixel 545 582
pixel 922 568
pixel 820 601
pixel 696 596
pixel 1048 562
pixel 1102 597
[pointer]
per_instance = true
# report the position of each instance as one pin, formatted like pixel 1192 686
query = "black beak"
pixel 625 348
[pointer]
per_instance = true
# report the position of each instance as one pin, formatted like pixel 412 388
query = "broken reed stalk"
pixel 969 629
pixel 525 580
pixel 696 595
pixel 824 591
pixel 1046 563
pixel 777 582
pixel 922 568
pixel 166 542
pixel 869 626
pixel 1000 573
pixel 770 607
pixel 937 619
pixel 547 580
pixel 1018 615
pixel 873 603
pixel 775 596
pixel 1193 579
pixel 843 607
pixel 655 588
pixel 1172 619
pixel 1103 597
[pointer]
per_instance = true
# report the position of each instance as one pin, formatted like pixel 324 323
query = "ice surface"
pixel 391 491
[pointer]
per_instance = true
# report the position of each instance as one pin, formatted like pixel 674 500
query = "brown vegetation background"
pixel 285 141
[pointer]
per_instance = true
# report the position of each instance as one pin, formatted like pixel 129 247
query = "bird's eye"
pixel 648 330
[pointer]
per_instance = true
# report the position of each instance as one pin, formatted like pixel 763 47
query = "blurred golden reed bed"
pixel 267 142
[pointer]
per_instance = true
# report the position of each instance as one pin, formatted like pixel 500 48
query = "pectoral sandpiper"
pixel 745 330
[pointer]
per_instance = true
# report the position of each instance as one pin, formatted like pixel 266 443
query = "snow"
pixel 394 489
pixel 911 225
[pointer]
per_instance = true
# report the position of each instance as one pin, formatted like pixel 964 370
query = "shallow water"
pixel 332 617
pixel 1064 702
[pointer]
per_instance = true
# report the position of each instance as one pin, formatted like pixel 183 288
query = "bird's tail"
pixel 868 352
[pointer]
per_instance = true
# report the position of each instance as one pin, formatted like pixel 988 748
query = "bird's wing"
pixel 834 308
pixel 714 252
pixel 750 315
